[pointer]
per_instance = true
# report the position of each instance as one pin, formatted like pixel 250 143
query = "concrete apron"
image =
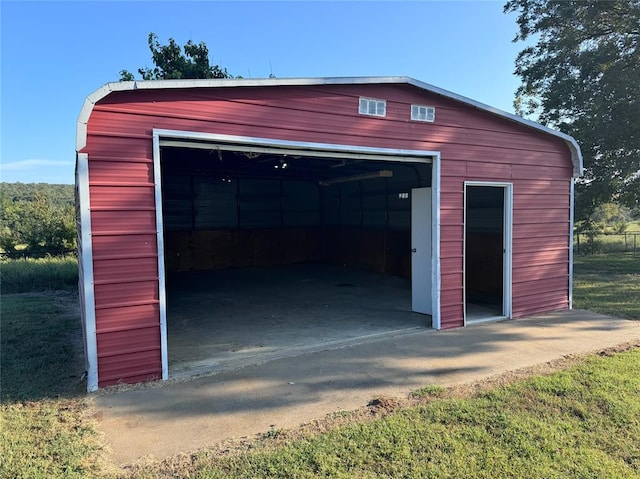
pixel 166 419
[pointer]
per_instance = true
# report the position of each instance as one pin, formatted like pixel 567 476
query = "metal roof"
pixel 93 98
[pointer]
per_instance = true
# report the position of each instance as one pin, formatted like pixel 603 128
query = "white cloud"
pixel 25 165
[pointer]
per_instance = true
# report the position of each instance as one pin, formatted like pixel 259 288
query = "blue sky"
pixel 54 54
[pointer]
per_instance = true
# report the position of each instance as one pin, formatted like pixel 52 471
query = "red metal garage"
pixel 473 204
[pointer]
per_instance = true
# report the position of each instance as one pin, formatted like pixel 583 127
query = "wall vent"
pixel 371 106
pixel 423 113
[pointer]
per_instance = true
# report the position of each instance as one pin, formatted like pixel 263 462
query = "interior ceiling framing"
pixel 243 162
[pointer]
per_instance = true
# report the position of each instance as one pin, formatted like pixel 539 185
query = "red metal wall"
pixel 474 145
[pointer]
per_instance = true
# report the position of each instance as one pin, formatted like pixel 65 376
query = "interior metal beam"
pixel 248 148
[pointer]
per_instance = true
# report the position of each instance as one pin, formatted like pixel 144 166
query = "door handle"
pixel 413 250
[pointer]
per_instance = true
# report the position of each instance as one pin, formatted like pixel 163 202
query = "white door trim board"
pixel 163 137
pixel 507 238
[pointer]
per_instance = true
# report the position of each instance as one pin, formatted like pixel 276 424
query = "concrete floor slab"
pixel 219 320
pixel 184 416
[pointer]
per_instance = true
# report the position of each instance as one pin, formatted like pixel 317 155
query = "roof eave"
pixel 89 103
pixel 572 144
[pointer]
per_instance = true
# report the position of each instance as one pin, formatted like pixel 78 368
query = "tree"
pixel 38 222
pixel 9 218
pixel 47 228
pixel 611 216
pixel 172 64
pixel 582 77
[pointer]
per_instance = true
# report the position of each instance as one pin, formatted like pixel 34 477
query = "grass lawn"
pixel 581 421
pixel 608 283
pixel 633 227
pixel 41 274
pixel 44 431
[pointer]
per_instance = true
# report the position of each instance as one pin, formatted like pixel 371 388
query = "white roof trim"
pixel 93 98
pixel 87 108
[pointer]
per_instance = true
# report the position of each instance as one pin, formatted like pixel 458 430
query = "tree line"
pixel 37 218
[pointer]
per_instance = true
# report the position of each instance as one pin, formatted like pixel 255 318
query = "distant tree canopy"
pixel 171 64
pixel 611 217
pixel 37 217
pixel 59 195
pixel 583 77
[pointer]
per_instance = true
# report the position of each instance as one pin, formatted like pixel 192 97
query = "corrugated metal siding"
pixel 541 233
pixel 125 260
pixel 474 145
pixel 539 169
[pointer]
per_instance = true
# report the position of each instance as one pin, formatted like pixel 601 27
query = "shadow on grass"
pixel 41 346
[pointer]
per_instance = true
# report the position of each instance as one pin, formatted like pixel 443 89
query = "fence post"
pixel 578 243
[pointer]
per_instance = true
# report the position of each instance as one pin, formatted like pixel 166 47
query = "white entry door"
pixel 421 301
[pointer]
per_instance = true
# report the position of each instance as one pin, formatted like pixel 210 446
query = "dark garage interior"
pixel 484 248
pixel 269 254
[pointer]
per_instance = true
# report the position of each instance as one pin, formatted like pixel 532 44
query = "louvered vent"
pixel 423 113
pixel 371 106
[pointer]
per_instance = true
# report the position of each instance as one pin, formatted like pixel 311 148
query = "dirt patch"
pixel 383 406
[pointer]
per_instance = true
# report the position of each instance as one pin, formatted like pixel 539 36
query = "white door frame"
pixel 194 139
pixel 507 246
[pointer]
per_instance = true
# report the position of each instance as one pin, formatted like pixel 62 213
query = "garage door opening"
pixel 487 251
pixel 271 253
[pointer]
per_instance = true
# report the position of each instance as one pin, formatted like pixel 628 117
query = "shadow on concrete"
pixel 166 418
pixel 407 361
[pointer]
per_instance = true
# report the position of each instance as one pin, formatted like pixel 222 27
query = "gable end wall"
pixel 474 146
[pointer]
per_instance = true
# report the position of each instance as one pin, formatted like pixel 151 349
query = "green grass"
pixel 633 227
pixel 44 431
pixel 433 390
pixel 608 284
pixel 42 274
pixel 48 439
pixel 41 346
pixel 607 243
